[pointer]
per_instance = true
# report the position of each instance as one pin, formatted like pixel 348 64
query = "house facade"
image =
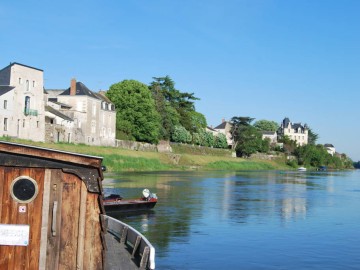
pixel 225 128
pixel 22 102
pixel 295 131
pixel 73 115
pixel 93 115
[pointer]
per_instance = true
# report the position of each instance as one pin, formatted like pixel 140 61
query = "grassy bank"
pixel 182 158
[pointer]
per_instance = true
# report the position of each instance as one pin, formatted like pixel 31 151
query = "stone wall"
pixel 163 146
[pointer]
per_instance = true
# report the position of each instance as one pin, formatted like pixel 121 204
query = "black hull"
pixel 129 207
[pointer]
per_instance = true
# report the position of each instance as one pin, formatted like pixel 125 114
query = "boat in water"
pixel 302 169
pixel 116 203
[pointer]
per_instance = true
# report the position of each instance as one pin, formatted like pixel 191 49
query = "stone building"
pixel 93 115
pixel 22 110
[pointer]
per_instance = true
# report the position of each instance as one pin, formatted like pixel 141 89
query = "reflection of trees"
pixel 172 214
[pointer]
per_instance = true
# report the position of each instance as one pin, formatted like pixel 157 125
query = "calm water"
pixel 248 220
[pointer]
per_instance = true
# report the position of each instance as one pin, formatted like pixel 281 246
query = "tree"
pixel 357 165
pixel 237 122
pixel 266 125
pixel 220 141
pixel 198 121
pixel 249 141
pixel 181 135
pixel 312 136
pixel 183 103
pixel 136 114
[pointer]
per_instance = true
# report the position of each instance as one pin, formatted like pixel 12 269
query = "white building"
pixel 93 115
pixel 22 102
pixel 295 131
pixel 330 148
pixel 225 128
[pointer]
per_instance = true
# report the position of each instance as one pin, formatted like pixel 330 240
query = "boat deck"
pixel 126 248
pixel 116 256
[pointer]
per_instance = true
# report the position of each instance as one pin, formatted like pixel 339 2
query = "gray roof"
pixel 81 90
pixel 268 132
pixel 57 113
pixel 15 63
pixel 221 126
pixel 328 145
pixel 5 88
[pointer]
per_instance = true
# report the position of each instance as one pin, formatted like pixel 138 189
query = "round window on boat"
pixel 24 189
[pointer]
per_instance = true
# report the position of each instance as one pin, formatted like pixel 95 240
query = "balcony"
pixel 30 112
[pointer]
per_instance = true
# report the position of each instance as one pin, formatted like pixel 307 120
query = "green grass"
pixel 188 157
pixel 244 165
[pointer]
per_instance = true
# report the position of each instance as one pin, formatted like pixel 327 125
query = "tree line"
pixel 159 111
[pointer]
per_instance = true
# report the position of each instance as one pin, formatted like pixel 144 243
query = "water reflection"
pixel 195 208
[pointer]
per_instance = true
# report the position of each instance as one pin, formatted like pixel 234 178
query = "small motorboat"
pixel 116 203
pixel 302 169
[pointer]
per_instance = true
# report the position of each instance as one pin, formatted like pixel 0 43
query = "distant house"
pixel 225 128
pixel 93 114
pixel 330 148
pixel 295 131
pixel 271 135
pixel 22 110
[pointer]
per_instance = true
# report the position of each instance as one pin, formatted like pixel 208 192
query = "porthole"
pixel 23 189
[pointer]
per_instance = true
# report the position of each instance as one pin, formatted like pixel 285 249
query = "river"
pixel 248 220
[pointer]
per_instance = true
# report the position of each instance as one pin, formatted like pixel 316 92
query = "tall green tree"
pixel 237 123
pixel 182 102
pixel 136 113
pixel 249 141
pixel 266 125
pixel 312 136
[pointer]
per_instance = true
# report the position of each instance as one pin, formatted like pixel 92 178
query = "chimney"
pixel 73 87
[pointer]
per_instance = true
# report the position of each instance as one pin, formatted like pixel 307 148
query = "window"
pixel 20 81
pixel 94 109
pixel 24 189
pixel 5 124
pixel 5 104
pixel 33 84
pixel 27 85
pixel 23 123
pixel 37 124
pixel 27 105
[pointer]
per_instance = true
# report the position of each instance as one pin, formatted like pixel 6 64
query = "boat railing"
pixel 137 244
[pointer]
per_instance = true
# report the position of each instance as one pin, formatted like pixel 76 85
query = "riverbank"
pixel 182 158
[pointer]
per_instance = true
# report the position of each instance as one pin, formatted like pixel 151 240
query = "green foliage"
pixel 289 145
pixel 164 92
pixel 198 121
pixel 181 135
pixel 244 165
pixel 266 125
pixel 356 165
pixel 312 136
pixel 317 155
pixel 220 141
pixel 136 114
pixel 249 141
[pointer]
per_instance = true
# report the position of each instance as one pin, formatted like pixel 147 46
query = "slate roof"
pixel 5 88
pixel 57 113
pixel 81 90
pixel 15 63
pixel 328 145
pixel 221 126
pixel 102 97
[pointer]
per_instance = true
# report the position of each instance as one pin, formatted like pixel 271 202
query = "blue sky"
pixel 265 59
